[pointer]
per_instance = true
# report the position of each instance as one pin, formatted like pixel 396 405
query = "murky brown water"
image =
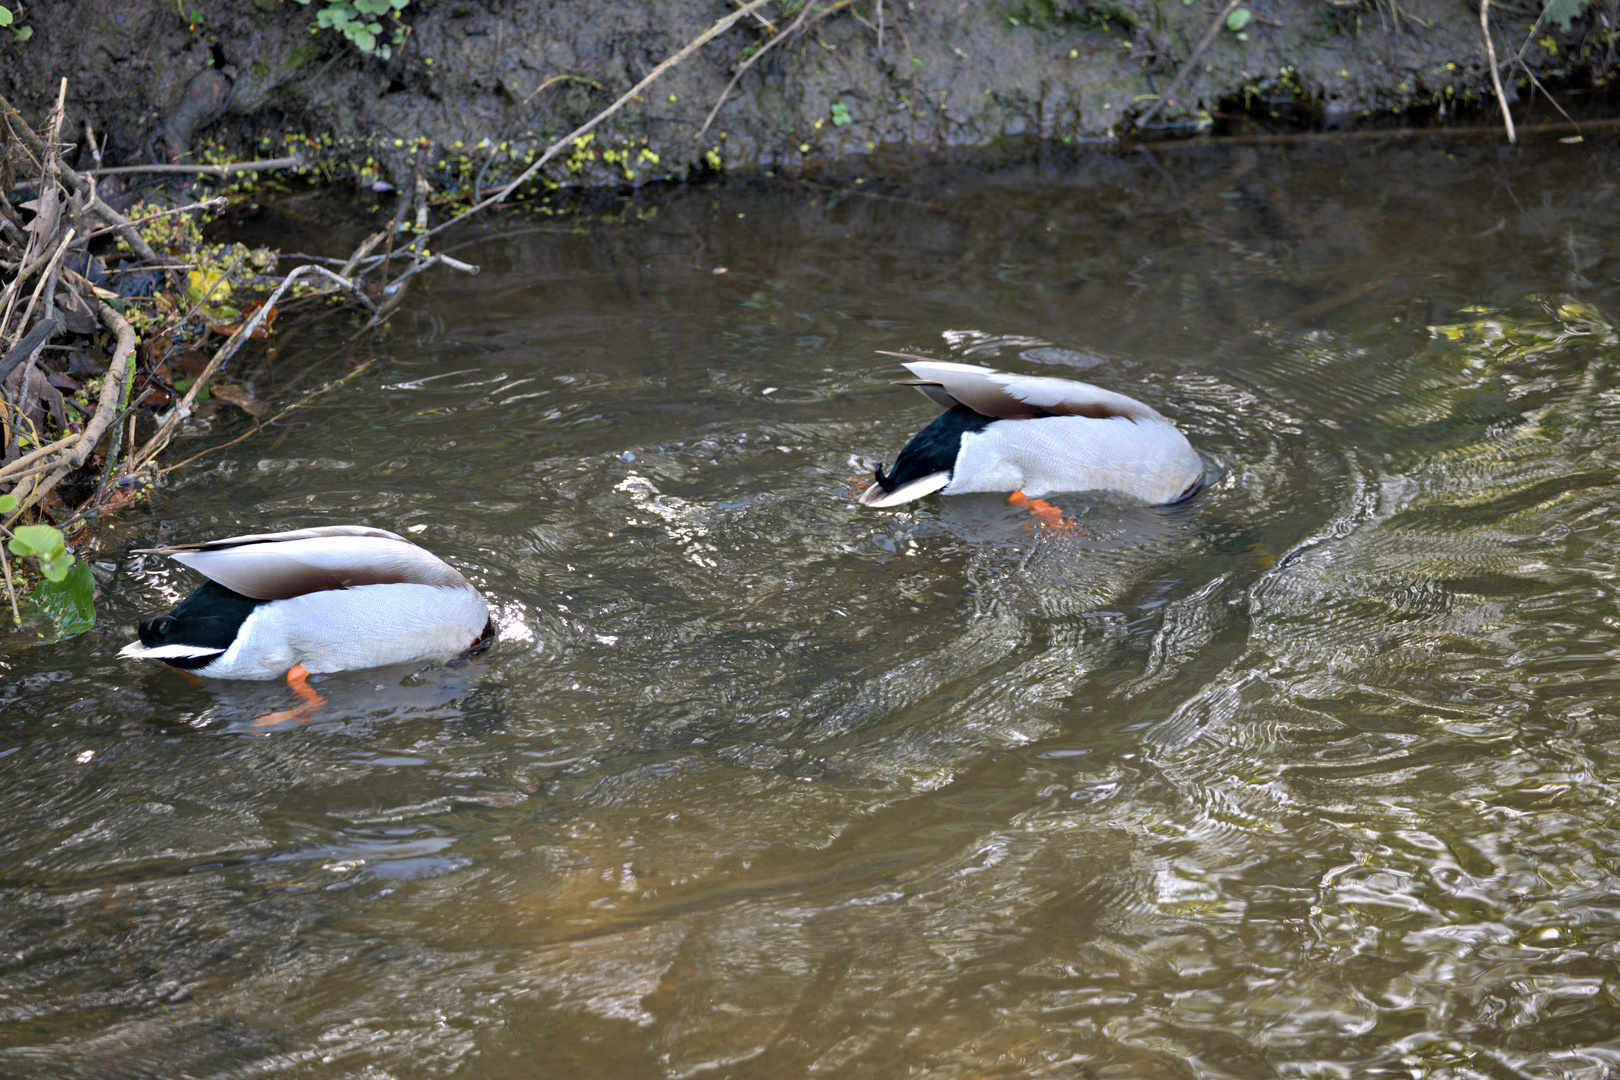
pixel 1314 776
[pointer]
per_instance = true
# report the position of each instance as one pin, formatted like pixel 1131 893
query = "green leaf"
pixel 69 602
pixel 5 16
pixel 23 34
pixel 840 114
pixel 37 541
pixel 8 503
pixel 46 546
pixel 1562 11
pixel 1239 19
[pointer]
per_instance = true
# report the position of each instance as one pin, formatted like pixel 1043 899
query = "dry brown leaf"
pixel 240 396
pixel 260 331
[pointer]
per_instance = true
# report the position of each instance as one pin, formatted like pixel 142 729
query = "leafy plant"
pixel 69 604
pixel 357 21
pixel 44 544
pixel 1562 11
pixel 67 595
pixel 21 33
pixel 840 114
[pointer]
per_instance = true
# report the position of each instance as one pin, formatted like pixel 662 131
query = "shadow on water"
pixel 1311 775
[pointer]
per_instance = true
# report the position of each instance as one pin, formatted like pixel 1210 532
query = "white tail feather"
pixel 166 652
pixel 916 489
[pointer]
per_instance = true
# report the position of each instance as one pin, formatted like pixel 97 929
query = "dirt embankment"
pixel 484 84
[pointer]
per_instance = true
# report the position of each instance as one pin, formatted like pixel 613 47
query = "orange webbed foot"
pixel 297 679
pixel 1047 515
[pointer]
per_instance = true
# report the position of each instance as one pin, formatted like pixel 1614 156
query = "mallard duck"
pixel 1032 435
pixel 332 598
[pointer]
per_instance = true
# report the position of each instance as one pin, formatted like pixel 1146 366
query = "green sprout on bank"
pixel 357 21
pixel 66 595
pixel 840 114
pixel 21 33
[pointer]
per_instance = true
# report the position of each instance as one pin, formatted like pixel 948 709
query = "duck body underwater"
pixel 334 598
pixel 1035 435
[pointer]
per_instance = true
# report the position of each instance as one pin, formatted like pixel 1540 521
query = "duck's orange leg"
pixel 297 678
pixel 1047 514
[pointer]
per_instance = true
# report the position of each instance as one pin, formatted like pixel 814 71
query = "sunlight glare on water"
pixel 1314 775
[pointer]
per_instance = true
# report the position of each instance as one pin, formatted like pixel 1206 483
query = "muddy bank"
pixel 488 84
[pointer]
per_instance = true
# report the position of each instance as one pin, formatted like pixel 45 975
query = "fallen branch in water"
pixel 1283 138
pixel 182 408
pixel 262 424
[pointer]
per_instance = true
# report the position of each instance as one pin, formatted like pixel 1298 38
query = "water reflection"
pixel 1310 776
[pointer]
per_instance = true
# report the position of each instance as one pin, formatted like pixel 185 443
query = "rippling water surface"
pixel 1314 776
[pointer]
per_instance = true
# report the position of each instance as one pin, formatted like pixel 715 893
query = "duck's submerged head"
pixel 926 463
pixel 199 631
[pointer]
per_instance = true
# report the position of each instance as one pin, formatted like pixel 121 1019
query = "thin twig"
pixel 219 279
pixel 1537 83
pixel 229 167
pixel 394 291
pixel 1284 138
pixel 262 424
pixel 207 204
pixel 75 448
pixel 182 408
pixel 748 63
pixel 557 79
pixel 1496 76
pixel 687 50
pixel 762 20
pixel 1530 37
pixel 11 591
pixel 360 252
pixel 48 277
pixel 76 183
pixel 1186 68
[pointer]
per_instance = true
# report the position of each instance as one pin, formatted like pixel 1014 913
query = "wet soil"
pixel 484 86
